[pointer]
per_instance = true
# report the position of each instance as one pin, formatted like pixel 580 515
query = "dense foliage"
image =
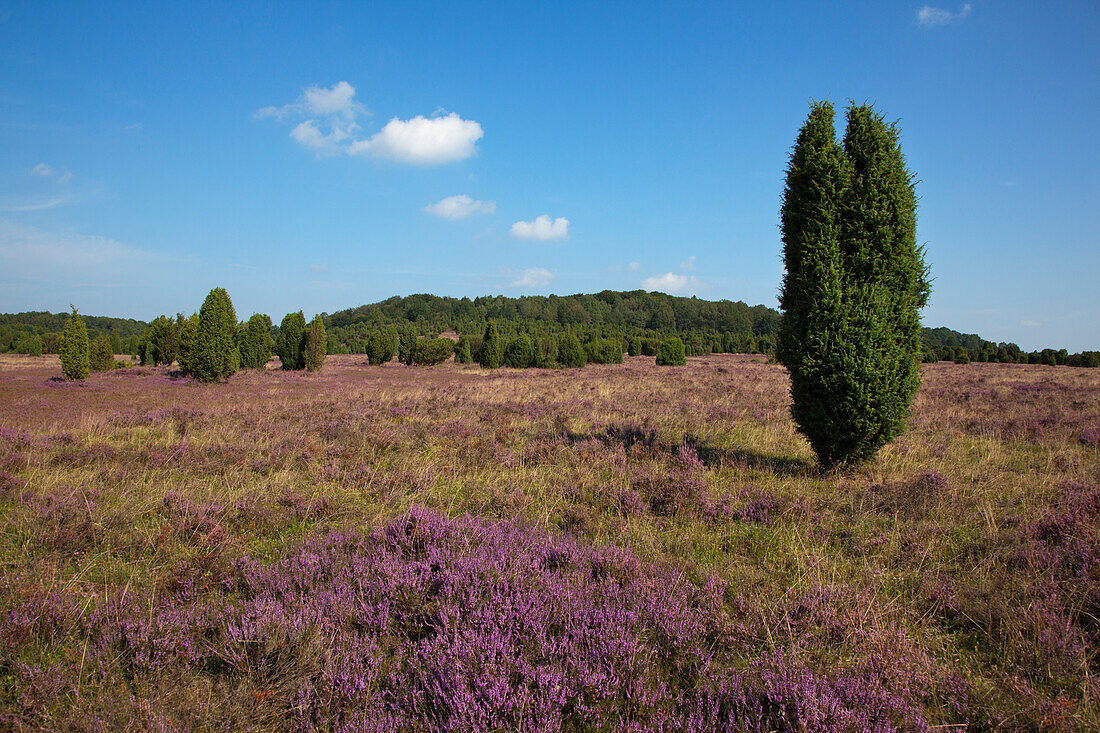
pixel 491 354
pixel 256 343
pixel 671 353
pixel 74 348
pixel 854 285
pixel 100 357
pixel 519 353
pixel 430 351
pixel 291 340
pixel 214 355
pixel 315 347
pixel 570 352
pixel 380 347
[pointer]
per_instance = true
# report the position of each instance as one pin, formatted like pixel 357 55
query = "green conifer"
pixel 316 345
pixel 214 355
pixel 570 352
pixel 519 353
pixel 854 284
pixel 492 349
pixel 671 352
pixel 100 358
pixel 291 339
pixel 256 344
pixel 73 347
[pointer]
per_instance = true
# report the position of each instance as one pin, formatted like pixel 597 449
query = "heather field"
pixel 620 547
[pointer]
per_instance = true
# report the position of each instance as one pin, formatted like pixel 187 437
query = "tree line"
pixel 209 345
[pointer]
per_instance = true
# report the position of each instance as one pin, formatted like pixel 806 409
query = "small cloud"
pixel 308 134
pixel 533 277
pixel 931 17
pixel 65 177
pixel 688 265
pixel 634 266
pixel 1030 323
pixel 135 127
pixel 330 111
pixel 542 229
pixel 27 248
pixel 318 268
pixel 670 283
pixel 16 206
pixel 423 140
pixel 42 170
pixel 459 207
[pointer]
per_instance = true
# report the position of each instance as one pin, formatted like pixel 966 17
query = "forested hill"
pixel 636 309
pixel 704 325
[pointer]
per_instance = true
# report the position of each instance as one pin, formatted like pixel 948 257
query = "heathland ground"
pixel 614 547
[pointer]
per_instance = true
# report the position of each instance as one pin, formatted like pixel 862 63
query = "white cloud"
pixel 307 133
pixel 331 113
pixel 671 283
pixel 929 16
pixel 423 140
pixel 532 277
pixel 542 229
pixel 633 266
pixel 42 170
pixel 1031 323
pixel 328 124
pixel 19 205
pixel 34 251
pixel 459 207
pixel 65 177
pixel 688 265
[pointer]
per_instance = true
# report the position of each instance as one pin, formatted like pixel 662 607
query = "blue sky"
pixel 329 155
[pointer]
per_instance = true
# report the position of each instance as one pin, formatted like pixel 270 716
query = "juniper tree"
pixel 214 354
pixel 407 345
pixel 186 328
pixel 73 347
pixel 256 344
pixel 570 351
pixel 100 358
pixel 379 347
pixel 854 283
pixel 519 353
pixel 492 350
pixel 316 345
pixel 288 345
pixel 671 352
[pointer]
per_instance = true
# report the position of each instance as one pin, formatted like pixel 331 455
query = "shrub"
pixel 519 353
pixel 671 352
pixel 650 346
pixel 379 348
pixel 73 347
pixel 406 345
pixel 291 339
pixel 256 344
pixel 854 284
pixel 187 328
pixel 430 351
pixel 492 350
pixel 100 358
pixel 214 356
pixel 634 346
pixel 29 344
pixel 604 351
pixel 570 352
pixel 162 339
pixel 462 351
pixel 316 345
